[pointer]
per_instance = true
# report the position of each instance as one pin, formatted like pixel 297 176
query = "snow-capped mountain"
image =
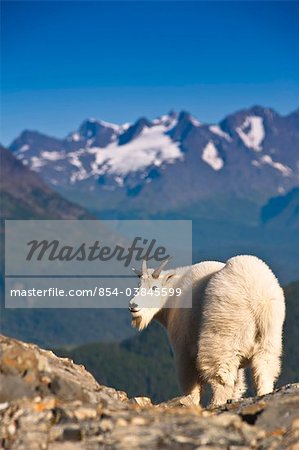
pixel 171 162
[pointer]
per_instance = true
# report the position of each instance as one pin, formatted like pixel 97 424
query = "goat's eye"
pixel 154 288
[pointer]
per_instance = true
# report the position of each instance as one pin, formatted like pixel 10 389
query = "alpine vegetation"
pixel 235 321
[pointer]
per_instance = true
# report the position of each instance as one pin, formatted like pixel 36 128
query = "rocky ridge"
pixel 51 403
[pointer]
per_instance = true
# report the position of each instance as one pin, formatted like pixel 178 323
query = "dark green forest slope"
pixel 290 366
pixel 141 366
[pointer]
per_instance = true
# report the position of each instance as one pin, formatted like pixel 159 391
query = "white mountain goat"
pixel 235 321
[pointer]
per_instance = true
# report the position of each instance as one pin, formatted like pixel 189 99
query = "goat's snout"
pixel 133 307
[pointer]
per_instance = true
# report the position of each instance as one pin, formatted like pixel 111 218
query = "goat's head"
pixel 151 294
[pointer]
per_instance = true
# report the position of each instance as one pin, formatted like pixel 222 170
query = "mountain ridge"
pixel 252 154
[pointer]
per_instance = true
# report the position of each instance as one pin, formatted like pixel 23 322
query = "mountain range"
pixel 171 164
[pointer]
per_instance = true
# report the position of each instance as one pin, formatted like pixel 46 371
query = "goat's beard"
pixel 139 323
pixel 136 322
pixel 142 321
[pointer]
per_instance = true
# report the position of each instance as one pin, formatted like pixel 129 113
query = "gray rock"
pixel 53 404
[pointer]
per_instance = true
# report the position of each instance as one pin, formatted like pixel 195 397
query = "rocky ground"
pixel 51 403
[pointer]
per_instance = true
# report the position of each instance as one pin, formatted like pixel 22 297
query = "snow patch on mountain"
pixel 167 120
pixel 52 156
pixel 266 159
pixel 211 156
pixel 151 147
pixel 281 190
pixel 36 163
pixel 252 132
pixel 217 130
pixel 195 121
pixel 24 148
pixel 81 173
pixel 124 126
pixel 74 137
pixel 105 124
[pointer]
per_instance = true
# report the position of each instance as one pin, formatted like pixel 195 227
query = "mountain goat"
pixel 235 321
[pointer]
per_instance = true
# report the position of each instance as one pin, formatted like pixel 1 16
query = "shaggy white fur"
pixel 236 321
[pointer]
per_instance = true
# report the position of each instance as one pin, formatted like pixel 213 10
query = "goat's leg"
pixel 221 393
pixel 189 379
pixel 265 368
pixel 240 385
pixel 223 385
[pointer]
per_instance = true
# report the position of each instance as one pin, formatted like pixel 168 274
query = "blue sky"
pixel 65 61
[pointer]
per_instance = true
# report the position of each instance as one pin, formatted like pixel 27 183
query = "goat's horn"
pixel 138 273
pixel 144 266
pixel 159 269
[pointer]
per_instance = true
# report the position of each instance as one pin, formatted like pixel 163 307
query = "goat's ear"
pixel 169 276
